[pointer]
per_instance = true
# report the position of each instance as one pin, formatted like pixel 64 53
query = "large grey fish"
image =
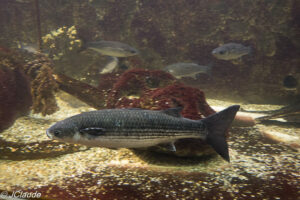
pixel 138 128
pixel 181 69
pixel 112 48
pixel 231 51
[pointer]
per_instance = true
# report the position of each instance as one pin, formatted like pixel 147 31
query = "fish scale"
pixel 137 123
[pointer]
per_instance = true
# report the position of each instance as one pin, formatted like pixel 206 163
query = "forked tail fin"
pixel 217 124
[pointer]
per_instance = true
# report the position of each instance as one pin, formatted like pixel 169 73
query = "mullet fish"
pixel 138 128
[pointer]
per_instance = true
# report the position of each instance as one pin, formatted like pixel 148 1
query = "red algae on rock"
pixel 191 99
pixel 15 98
pixel 136 82
pixel 156 90
pixel 106 81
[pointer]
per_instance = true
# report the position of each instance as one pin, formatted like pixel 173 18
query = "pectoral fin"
pixel 95 131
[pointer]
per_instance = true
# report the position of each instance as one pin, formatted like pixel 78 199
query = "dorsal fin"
pixel 175 112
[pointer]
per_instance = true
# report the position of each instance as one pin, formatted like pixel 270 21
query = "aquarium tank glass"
pixel 150 99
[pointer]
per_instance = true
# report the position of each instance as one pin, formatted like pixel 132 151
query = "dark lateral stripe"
pixel 151 134
pixel 148 136
pixel 159 131
pixel 143 137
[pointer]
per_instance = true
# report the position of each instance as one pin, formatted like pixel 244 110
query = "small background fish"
pixel 180 70
pixel 30 48
pixel 231 51
pixel 112 48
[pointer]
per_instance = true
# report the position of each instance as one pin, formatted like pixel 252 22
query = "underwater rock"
pixel 84 92
pixel 15 98
pixel 279 137
pixel 84 17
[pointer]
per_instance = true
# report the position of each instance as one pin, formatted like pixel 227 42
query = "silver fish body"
pixel 138 128
pixel 231 51
pixel 112 48
pixel 182 69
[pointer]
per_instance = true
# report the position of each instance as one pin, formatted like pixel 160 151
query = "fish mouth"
pixel 49 134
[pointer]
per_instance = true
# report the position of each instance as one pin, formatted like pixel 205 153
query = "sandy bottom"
pixel 265 164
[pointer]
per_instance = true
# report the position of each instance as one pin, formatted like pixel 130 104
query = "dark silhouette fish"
pixel 138 128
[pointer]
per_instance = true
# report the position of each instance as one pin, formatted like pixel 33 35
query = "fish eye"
pixel 222 52
pixel 57 133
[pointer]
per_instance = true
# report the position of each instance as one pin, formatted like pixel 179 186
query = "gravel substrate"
pixel 261 167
